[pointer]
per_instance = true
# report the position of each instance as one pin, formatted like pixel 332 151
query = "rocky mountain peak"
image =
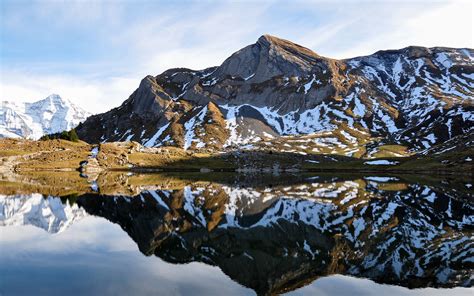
pixel 269 57
pixel 51 103
pixel 55 98
pixel 286 47
pixel 414 97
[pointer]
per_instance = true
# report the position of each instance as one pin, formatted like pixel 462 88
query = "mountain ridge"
pixel 414 97
pixel 32 120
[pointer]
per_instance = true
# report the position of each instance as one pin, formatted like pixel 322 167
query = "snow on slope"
pixel 33 120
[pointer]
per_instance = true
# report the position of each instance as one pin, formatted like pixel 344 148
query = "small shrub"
pixel 64 135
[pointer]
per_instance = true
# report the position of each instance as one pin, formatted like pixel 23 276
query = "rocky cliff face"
pixel 33 120
pixel 275 92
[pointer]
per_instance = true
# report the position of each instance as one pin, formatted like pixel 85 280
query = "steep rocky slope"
pixel 278 95
pixel 33 120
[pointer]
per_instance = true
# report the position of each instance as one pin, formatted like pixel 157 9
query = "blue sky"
pixel 96 52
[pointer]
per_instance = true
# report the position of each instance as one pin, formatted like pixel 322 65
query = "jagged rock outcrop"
pixel 416 97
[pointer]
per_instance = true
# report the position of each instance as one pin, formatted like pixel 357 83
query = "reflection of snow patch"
pixel 94 186
pixel 248 77
pixel 381 179
pixel 381 162
pixel 158 199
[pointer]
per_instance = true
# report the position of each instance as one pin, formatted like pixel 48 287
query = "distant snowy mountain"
pixel 48 213
pixel 33 120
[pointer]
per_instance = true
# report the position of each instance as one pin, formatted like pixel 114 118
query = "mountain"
pixel 33 120
pixel 48 213
pixel 275 94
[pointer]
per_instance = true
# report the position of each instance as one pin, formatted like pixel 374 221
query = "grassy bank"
pixel 62 155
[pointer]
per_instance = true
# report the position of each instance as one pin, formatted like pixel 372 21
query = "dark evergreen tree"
pixel 73 135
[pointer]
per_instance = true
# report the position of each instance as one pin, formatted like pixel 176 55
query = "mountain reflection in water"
pixel 275 235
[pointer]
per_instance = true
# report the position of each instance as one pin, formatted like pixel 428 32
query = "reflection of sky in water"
pixel 96 257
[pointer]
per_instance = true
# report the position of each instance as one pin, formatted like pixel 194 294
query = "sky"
pixel 95 53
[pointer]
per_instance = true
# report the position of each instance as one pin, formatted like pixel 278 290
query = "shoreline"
pixel 23 156
pixel 152 170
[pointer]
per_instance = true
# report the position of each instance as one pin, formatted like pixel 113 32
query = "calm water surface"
pixel 301 235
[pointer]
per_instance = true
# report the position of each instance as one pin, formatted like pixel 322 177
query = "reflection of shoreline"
pixel 129 184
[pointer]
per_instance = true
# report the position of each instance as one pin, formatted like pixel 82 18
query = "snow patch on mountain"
pixel 189 127
pixel 152 141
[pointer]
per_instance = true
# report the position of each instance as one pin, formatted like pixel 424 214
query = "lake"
pixel 229 234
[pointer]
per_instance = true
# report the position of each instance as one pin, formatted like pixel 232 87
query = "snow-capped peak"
pixel 33 120
pixel 55 100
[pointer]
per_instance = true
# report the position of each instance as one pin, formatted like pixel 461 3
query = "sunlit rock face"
pixel 275 238
pixel 275 92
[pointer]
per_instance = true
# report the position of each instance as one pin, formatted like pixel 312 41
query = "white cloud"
pixel 446 23
pixel 152 46
pixel 197 39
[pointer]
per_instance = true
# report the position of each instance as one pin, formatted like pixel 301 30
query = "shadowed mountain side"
pixel 456 162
